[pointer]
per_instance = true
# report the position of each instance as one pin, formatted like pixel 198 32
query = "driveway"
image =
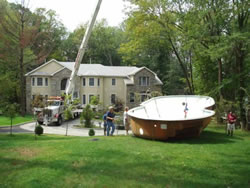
pixel 15 129
pixel 72 131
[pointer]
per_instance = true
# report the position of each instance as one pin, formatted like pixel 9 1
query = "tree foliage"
pixel 26 40
pixel 102 46
pixel 208 39
pixel 87 115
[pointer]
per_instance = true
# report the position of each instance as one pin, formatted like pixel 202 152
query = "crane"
pixel 81 51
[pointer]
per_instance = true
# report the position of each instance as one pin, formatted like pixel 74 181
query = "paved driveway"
pixel 15 129
pixel 73 131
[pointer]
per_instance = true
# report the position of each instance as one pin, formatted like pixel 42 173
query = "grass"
pixel 5 121
pixel 213 160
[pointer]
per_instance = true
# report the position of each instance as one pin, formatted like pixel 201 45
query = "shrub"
pixel 39 130
pixel 38 102
pixel 91 132
pixel 87 115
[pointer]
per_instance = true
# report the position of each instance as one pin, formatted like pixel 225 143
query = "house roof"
pixel 95 70
pixel 101 70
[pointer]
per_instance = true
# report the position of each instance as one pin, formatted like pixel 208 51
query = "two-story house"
pixel 109 83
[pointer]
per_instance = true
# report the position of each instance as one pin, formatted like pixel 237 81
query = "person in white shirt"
pixel 126 120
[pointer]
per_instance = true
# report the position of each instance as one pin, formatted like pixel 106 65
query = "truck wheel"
pixel 40 122
pixel 59 121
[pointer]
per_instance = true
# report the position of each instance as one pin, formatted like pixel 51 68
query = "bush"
pixel 91 132
pixel 87 115
pixel 39 130
pixel 38 102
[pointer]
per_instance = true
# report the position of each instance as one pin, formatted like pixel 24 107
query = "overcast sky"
pixel 74 12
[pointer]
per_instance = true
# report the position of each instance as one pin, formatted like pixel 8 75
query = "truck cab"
pixel 53 113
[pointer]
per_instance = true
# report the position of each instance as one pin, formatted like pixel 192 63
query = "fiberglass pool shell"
pixel 177 116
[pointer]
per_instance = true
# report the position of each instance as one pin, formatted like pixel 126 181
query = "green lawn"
pixel 5 121
pixel 213 160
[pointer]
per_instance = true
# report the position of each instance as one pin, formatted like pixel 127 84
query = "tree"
pixel 220 38
pixel 10 111
pixel 26 39
pixel 210 41
pixel 153 34
pixel 38 102
pixel 68 104
pixel 87 115
pixel 8 87
pixel 102 46
pixel 67 116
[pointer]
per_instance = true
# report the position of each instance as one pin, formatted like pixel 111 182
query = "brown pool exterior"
pixel 162 130
pixel 156 130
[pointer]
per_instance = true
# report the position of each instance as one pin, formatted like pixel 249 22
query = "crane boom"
pixel 81 51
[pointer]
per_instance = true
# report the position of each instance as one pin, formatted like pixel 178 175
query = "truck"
pixel 55 110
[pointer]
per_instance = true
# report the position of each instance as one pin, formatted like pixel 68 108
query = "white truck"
pixel 54 113
pixel 55 109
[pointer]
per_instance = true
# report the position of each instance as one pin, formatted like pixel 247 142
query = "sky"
pixel 72 13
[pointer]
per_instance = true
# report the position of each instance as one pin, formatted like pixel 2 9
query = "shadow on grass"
pixel 206 137
pixel 31 137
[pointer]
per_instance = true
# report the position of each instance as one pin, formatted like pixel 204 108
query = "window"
pixel 46 97
pixel 90 97
pixel 131 97
pixel 84 99
pixel 64 83
pixel 91 81
pixel 33 81
pixel 33 97
pixel 113 99
pixel 83 82
pixel 113 81
pixel 144 81
pixel 46 82
pixel 39 81
pixel 98 81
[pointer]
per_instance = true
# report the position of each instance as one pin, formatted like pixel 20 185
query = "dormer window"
pixel 39 81
pixel 144 81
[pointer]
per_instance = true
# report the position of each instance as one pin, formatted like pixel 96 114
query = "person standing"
pixel 231 119
pixel 126 120
pixel 105 123
pixel 110 121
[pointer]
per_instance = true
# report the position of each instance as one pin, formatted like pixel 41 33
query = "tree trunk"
pixel 220 79
pixel 183 67
pixel 191 72
pixel 22 83
pixel 22 86
pixel 10 126
pixel 239 61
